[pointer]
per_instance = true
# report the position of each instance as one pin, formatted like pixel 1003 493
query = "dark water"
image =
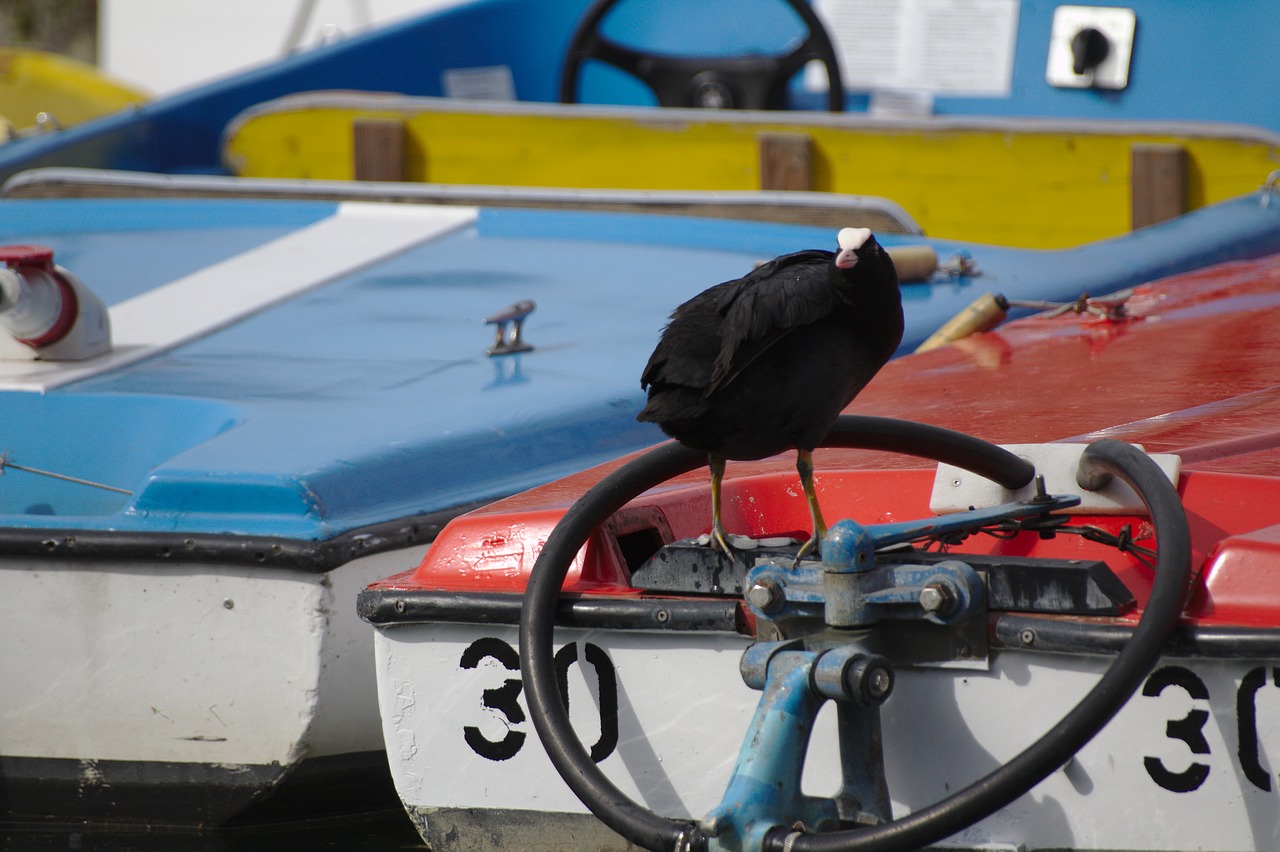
pixel 384 832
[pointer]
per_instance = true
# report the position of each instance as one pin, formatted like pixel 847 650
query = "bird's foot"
pixel 720 540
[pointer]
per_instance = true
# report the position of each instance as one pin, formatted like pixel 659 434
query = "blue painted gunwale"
pixel 370 399
pixel 1193 61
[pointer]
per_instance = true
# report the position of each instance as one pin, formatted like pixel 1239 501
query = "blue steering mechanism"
pixel 834 631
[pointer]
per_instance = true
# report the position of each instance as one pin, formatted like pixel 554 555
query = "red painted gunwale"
pixel 1194 370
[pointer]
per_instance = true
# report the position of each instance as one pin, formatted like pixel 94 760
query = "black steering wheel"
pixel 1101 460
pixel 733 82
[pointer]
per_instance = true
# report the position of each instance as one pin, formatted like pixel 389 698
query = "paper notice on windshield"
pixel 951 47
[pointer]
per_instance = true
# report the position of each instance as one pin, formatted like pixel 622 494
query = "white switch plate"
pixel 955 490
pixel 1116 23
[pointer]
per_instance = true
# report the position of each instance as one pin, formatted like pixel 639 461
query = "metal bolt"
pixel 1028 636
pixel 937 598
pixel 879 682
pixel 867 679
pixel 765 594
pixel 229 604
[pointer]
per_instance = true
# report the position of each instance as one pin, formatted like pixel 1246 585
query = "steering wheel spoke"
pixel 599 48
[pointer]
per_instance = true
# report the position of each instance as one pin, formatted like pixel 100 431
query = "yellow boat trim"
pixel 1038 184
pixel 33 81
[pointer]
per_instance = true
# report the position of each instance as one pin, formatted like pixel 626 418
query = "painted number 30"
pixel 1190 728
pixel 505 699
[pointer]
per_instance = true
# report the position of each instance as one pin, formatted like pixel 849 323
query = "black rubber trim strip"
pixel 1048 633
pixel 1019 631
pixel 392 607
pixel 316 556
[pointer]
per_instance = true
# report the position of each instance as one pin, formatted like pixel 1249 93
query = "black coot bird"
pixel 766 362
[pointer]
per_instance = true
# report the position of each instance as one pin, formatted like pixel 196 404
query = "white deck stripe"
pixel 357 235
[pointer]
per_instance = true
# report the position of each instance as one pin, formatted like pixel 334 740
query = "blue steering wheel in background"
pixel 748 81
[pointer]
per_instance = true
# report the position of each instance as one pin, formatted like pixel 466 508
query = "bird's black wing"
pixel 786 293
pixel 687 349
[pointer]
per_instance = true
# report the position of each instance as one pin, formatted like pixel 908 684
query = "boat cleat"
pixel 508 329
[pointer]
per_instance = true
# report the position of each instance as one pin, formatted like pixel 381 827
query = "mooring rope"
pixel 6 462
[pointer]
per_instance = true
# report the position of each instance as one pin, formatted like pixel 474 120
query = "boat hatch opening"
pixel 638 546
pixel 635 534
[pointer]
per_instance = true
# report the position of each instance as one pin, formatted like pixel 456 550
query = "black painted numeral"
pixel 1189 729
pixel 1247 725
pixel 505 699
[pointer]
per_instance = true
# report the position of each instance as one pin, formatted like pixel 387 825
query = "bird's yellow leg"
pixel 804 466
pixel 717 527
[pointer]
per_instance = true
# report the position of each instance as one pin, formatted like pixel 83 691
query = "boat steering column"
pixel 827 625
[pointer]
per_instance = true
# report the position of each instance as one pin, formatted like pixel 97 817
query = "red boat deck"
pixel 1194 369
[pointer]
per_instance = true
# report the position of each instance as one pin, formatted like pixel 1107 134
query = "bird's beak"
pixel 849 240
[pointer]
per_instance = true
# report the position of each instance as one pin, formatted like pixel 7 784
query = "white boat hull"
pixel 1182 768
pixel 201 688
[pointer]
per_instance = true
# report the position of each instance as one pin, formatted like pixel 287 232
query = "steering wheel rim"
pixel 759 82
pixel 1101 461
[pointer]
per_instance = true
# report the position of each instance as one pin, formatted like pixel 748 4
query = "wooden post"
pixel 786 161
pixel 1158 179
pixel 379 149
